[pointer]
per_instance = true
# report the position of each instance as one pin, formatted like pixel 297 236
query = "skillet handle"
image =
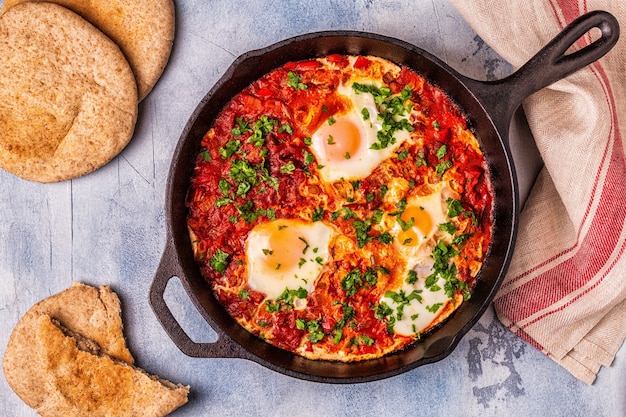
pixel 550 64
pixel 170 268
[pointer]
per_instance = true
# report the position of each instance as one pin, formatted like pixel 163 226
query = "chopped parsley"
pixel 230 148
pixel 348 314
pixel 288 296
pixel 244 175
pixel 306 244
pixel 401 299
pixel 352 282
pixel 382 312
pixel 383 190
pixel 222 201
pixel 365 339
pixel 288 168
pixel 403 155
pixel 262 127
pixel 421 159
pixel 433 308
pixel 370 276
pixel 294 81
pixel 224 186
pixel 442 167
pixel 308 157
pixel 285 127
pixel 377 216
pixel 362 229
pixel 460 238
pixel 314 327
pixel 241 127
pixel 349 214
pixel 446 269
pixel 448 227
pixel 250 213
pixel 318 214
pixel 411 277
pixel 391 109
pixel 206 155
pixel 455 207
pixel 219 261
pixel 442 151
pixel 272 307
pixel 286 299
pixel 385 238
pixel 356 279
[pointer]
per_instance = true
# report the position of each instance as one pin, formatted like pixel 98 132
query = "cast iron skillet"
pixel 489 107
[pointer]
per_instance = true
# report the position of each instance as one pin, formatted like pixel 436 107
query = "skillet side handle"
pixel 169 268
pixel 550 64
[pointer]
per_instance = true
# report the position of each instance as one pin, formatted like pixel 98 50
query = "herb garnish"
pixel 219 261
pixel 288 168
pixel 318 214
pixel 229 148
pixel 286 299
pixel 444 165
pixel 241 128
pixel 294 81
pixel 314 327
pixel 391 109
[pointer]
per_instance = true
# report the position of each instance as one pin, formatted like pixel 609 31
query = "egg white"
pixel 310 243
pixel 435 207
pixel 418 257
pixel 365 160
pixel 418 314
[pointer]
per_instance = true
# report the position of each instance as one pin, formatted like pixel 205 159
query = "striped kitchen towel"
pixel 565 292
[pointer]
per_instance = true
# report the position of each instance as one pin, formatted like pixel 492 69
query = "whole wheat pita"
pixel 68 99
pixel 87 383
pixel 143 29
pixel 92 312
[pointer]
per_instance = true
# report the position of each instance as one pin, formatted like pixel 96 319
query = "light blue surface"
pixel 108 228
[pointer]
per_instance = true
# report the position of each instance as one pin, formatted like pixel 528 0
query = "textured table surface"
pixel 108 228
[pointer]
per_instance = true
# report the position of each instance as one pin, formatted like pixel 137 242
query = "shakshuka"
pixel 340 207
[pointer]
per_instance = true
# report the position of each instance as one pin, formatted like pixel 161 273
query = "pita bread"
pixel 68 100
pixel 83 383
pixel 92 312
pixel 143 29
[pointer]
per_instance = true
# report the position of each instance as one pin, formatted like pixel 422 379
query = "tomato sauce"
pixel 239 182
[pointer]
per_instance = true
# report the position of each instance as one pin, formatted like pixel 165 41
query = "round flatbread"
pixel 143 29
pixel 68 98
pixel 83 382
pixel 92 312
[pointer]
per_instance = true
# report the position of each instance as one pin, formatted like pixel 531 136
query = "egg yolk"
pixel 286 247
pixel 343 139
pixel 422 222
